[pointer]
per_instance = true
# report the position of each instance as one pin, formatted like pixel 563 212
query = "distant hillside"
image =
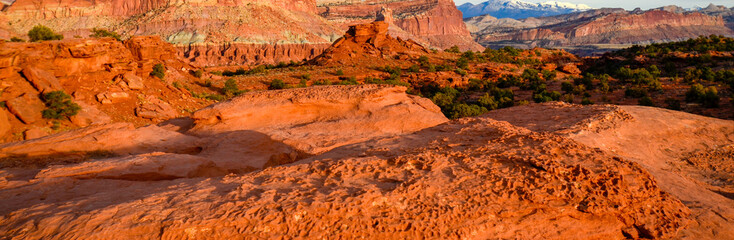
pixel 517 9
pixel 603 29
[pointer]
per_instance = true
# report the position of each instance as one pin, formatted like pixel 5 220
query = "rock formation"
pixel 240 32
pixel 538 171
pixel 604 26
pixel 434 23
pixel 106 78
pixel 367 43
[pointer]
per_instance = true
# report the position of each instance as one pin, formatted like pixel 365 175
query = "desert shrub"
pixel 549 75
pixel 43 33
pixel 306 77
pixel 672 104
pixel 709 97
pixel 635 92
pixel 453 49
pixel 159 71
pixel 277 84
pixel 198 73
pixel 414 69
pixel 586 101
pixel 567 87
pixel 101 33
pixel 509 81
pixel 569 98
pixel 462 63
pixel 645 101
pixel 231 89
pixel 461 72
pixel 59 105
pixel 423 61
pixel 339 72
pixel 16 39
pixel 322 82
pixel 466 110
pixel 497 98
pixel 546 96
pixel 349 81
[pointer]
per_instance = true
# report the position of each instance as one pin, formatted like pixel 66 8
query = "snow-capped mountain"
pixel 519 9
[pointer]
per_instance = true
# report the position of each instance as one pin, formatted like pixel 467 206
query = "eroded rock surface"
pixel 317 119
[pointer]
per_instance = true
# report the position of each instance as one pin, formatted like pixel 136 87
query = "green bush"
pixel 43 33
pixel 645 101
pixel 586 101
pixel 673 104
pixel 546 96
pixel 159 71
pixel 59 105
pixel 231 89
pixel 453 49
pixel 709 96
pixel 466 110
pixel 101 33
pixel 339 72
pixel 198 73
pixel 635 92
pixel 277 84
pixel 349 81
pixel 16 39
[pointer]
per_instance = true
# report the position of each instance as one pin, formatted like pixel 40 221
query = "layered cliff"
pixel 224 32
pixel 208 32
pixel 437 23
pixel 604 26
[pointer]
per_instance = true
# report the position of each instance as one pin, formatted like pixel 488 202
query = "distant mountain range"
pixel 517 9
pixel 600 30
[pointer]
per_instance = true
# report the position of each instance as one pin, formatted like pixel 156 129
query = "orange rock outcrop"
pixel 532 172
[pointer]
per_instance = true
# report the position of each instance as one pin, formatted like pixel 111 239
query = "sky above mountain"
pixel 632 4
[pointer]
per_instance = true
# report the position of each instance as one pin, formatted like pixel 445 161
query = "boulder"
pixel 316 119
pixel 112 97
pixel 34 133
pixel 27 108
pixel 89 115
pixel 133 81
pixel 155 109
pixel 42 80
pixel 4 123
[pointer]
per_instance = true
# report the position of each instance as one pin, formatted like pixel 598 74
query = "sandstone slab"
pixel 27 108
pixel 42 80
pixel 155 109
pixel 317 119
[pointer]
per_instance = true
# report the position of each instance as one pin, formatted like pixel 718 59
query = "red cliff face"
pixel 435 22
pixel 208 32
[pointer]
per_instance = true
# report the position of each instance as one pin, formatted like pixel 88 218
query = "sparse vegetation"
pixel 43 33
pixel 277 84
pixel 59 105
pixel 16 39
pixel 102 33
pixel 231 89
pixel 159 71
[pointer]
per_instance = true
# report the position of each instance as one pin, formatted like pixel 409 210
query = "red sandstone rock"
pixel 155 109
pixel 437 23
pixel 468 178
pixel 4 123
pixel 317 119
pixel 43 81
pixel 368 43
pixel 34 133
pixel 26 107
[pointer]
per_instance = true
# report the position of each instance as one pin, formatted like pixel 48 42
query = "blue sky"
pixel 631 4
